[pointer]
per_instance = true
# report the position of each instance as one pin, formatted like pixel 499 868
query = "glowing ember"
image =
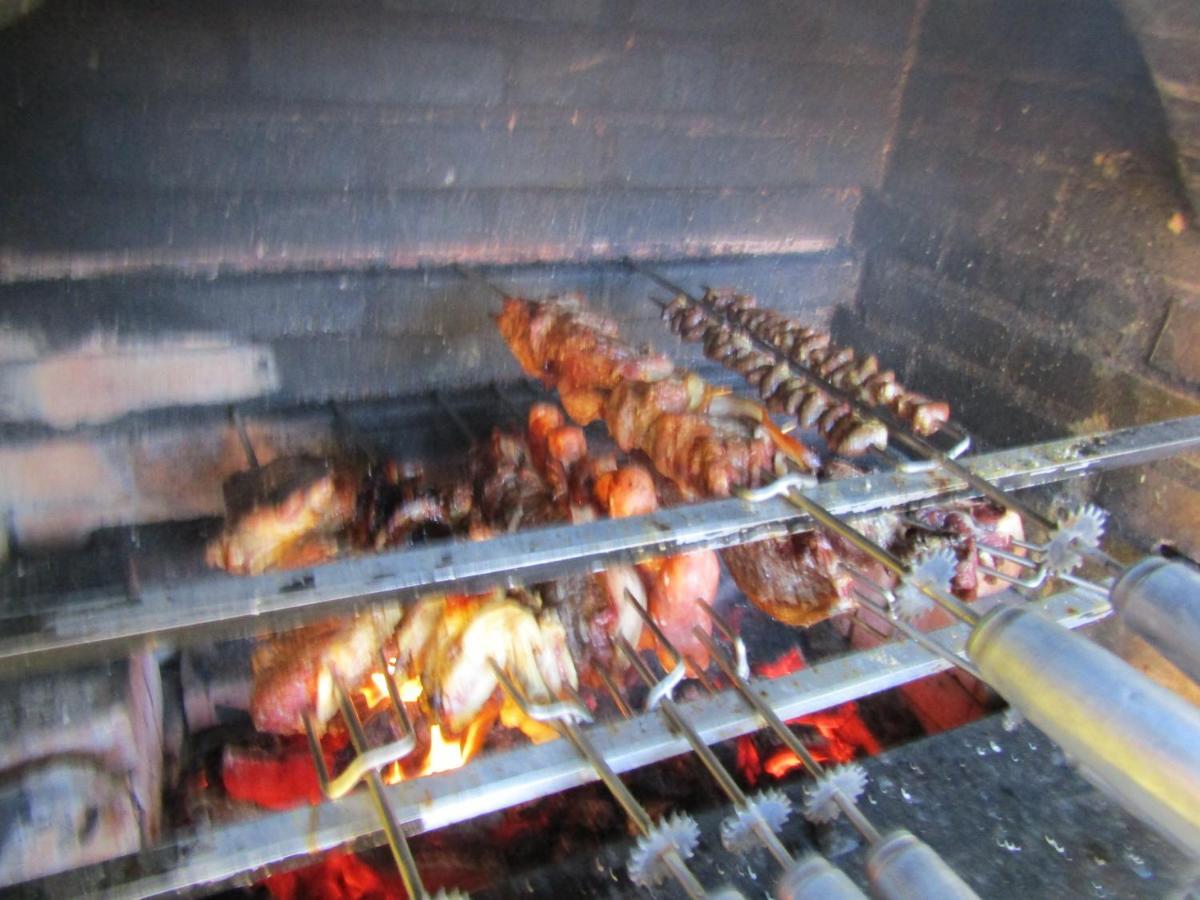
pixel 844 735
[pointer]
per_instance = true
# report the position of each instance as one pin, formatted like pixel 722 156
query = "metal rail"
pixel 43 632
pixel 244 852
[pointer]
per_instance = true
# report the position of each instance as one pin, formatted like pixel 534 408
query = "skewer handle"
pixel 1159 599
pixel 815 878
pixel 902 867
pixel 1131 737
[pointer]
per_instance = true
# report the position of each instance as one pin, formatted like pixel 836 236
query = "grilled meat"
pixel 673 584
pixel 845 431
pixel 289 511
pixel 575 351
pixel 452 641
pixel 968 529
pixel 294 672
pixel 673 417
pixel 795 579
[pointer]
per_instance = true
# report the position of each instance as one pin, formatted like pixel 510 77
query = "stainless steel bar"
pixel 42 631
pixel 634 810
pixel 780 729
pixel 401 852
pixel 241 853
pixel 1159 600
pixel 239 425
pixel 902 867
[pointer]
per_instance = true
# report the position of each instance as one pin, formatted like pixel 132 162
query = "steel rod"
pixel 899 430
pixel 785 734
pixel 240 853
pixel 720 774
pixel 41 631
pixel 633 809
pixel 401 852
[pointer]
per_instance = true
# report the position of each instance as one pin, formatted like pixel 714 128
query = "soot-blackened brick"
pixel 591 71
pixel 255 148
pixel 760 88
pixel 893 295
pixel 995 198
pixel 1075 126
pixel 1177 350
pixel 353 66
pixel 1053 370
pixel 1071 40
pixel 825 155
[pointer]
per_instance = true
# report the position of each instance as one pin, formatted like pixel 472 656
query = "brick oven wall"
pixel 239 196
pixel 1024 253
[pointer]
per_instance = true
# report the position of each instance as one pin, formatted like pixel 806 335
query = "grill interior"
pixel 283 229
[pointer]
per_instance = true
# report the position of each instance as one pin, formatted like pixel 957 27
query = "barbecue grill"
pixel 244 234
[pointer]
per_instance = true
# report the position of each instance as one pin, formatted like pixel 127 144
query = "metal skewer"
pixel 564 721
pixel 763 830
pixel 401 852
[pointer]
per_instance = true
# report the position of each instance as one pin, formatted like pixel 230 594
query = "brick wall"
pixel 1023 254
pixel 985 195
pixel 230 136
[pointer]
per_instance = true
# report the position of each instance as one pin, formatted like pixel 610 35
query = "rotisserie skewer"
pixel 846 430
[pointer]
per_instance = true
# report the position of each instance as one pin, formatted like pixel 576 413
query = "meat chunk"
pixel 286 512
pixel 795 579
pixel 294 672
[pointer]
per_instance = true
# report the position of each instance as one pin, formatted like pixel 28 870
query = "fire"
pixel 375 690
pixel 844 735
pixel 443 755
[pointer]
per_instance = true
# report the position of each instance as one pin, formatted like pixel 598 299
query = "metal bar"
pixel 898 429
pixel 401 852
pixel 720 774
pixel 634 810
pixel 47 631
pixel 241 853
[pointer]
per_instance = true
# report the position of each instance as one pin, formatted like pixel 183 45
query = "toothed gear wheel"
pixel 1081 530
pixel 934 569
pixel 1012 719
pixel 849 780
pixel 737 831
pixel 678 832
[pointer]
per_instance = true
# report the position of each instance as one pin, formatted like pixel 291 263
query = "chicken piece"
pixel 531 649
pixel 294 672
pixel 273 508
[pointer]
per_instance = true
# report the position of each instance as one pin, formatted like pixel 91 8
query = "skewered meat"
pixel 969 530
pixel 575 351
pixel 294 672
pixel 795 579
pixel 674 584
pixel 845 431
pixel 290 509
pixel 673 417
pixel 452 642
